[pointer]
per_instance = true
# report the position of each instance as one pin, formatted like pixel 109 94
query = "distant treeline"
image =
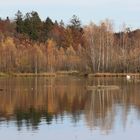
pixel 28 44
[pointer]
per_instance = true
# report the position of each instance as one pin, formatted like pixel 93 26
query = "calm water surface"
pixel 63 109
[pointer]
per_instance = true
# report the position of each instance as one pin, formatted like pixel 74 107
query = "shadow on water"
pixel 27 101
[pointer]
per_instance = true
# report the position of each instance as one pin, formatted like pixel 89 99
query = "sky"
pixel 119 11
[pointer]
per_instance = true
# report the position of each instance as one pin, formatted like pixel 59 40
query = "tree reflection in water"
pixel 28 101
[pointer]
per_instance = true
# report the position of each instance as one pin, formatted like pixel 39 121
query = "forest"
pixel 30 45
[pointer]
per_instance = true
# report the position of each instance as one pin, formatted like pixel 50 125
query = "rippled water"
pixel 63 108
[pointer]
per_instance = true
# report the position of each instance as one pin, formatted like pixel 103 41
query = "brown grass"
pixel 103 87
pixel 33 74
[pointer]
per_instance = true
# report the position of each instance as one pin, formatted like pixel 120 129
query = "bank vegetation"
pixel 30 45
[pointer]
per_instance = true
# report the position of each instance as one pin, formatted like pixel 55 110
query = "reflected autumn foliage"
pixel 28 101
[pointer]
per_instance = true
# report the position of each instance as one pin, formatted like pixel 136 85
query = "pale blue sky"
pixel 120 11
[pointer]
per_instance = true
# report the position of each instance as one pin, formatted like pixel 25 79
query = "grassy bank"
pixel 114 75
pixel 3 74
pixel 63 73
pixel 47 74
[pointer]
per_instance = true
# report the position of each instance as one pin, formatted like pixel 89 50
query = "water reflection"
pixel 28 101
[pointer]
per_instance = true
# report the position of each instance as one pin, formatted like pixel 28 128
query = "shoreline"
pixel 68 73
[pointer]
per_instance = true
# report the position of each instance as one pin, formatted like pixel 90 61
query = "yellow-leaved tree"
pixel 51 52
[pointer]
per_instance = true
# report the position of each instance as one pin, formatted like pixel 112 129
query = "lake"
pixel 63 108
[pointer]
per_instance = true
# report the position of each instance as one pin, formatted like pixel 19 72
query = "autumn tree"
pixel 51 55
pixel 99 45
